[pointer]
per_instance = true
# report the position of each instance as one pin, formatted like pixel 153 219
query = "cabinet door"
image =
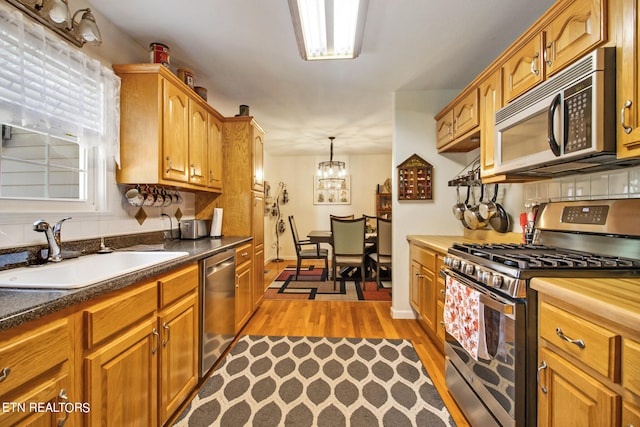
pixel 258 159
pixel 414 291
pixel 591 403
pixel 428 298
pixel 574 32
pixel 244 300
pixel 258 247
pixel 490 102
pixel 179 354
pixel 444 129
pixel 628 74
pixel 175 130
pixel 49 392
pixel 214 154
pixel 198 131
pixel 121 379
pixel 524 69
pixel 465 114
pixel 630 414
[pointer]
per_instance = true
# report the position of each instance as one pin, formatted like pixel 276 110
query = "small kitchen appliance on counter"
pixel 192 229
pixel 497 387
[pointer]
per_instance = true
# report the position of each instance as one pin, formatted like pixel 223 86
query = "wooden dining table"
pixel 324 236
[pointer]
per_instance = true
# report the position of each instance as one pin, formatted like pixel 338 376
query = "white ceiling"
pixel 248 52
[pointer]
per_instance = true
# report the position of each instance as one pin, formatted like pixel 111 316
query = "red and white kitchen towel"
pixel 464 318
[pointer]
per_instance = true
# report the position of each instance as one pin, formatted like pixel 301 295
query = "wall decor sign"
pixel 333 191
pixel 415 179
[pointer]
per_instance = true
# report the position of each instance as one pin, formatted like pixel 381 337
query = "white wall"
pixel 297 172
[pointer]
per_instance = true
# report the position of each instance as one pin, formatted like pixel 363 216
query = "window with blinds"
pixel 58 107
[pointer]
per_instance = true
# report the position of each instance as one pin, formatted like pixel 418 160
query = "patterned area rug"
pixel 310 381
pixel 312 284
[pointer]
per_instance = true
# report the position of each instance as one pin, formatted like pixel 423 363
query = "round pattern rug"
pixel 315 381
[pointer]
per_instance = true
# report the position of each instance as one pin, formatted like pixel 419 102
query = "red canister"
pixel 160 53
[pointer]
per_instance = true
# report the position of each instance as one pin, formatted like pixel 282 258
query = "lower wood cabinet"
pixel 142 357
pixel 36 377
pixel 426 291
pixel 588 373
pixel 244 285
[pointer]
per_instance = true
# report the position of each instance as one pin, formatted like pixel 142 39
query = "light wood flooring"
pixel 348 319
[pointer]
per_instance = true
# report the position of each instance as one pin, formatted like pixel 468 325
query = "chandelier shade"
pixel 332 172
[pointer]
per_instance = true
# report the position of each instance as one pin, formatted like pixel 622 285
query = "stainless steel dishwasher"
pixel 217 307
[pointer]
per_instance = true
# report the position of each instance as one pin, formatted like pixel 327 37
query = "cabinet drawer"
pixel 631 366
pixel 601 349
pixel 118 312
pixel 424 257
pixel 243 254
pixel 28 354
pixel 177 283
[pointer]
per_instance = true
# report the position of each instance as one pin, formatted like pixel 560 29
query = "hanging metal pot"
pixel 459 207
pixel 472 216
pixel 488 209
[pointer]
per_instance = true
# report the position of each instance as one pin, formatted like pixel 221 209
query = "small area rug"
pixel 312 381
pixel 312 284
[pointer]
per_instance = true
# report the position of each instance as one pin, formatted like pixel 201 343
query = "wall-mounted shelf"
pixel 415 179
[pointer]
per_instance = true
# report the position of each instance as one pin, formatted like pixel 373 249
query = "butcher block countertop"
pixel 442 243
pixel 616 300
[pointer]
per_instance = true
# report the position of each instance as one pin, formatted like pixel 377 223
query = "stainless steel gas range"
pixel 491 312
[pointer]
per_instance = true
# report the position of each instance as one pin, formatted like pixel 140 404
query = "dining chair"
pixel 352 216
pixel 382 255
pixel 301 253
pixel 348 238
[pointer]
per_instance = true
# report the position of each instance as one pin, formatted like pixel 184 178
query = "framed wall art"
pixel 333 191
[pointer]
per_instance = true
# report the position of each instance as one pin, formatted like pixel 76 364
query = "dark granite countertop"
pixel 18 306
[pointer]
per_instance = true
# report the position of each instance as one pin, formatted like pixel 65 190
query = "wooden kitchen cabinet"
pixel 141 350
pixel 573 29
pixel 457 125
pixel 243 198
pixel 214 154
pixel 588 356
pixel 424 291
pixel 164 130
pixel 627 74
pixel 572 396
pixel 244 285
pixel 490 102
pixel 36 362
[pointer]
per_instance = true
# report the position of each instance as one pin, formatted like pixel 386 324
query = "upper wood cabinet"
pixel 257 138
pixel 628 75
pixel 490 102
pixel 457 124
pixel 572 31
pixel 164 131
pixel 214 153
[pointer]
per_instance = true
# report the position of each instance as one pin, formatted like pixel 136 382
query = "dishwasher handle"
pixel 218 262
pixel 213 269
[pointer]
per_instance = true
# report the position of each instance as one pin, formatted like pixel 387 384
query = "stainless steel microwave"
pixel 564 125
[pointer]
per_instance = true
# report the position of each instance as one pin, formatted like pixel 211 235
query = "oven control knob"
pixel 496 281
pixel 455 263
pixel 469 269
pixel 484 276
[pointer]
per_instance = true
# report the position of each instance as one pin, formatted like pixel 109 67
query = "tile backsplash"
pixel 614 184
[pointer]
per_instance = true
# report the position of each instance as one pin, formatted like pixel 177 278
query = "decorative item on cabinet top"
pixel 156 197
pixel 415 179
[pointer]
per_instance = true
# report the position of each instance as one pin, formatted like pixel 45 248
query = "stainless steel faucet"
pixel 53 237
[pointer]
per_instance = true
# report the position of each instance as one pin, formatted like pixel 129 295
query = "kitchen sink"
pixel 84 271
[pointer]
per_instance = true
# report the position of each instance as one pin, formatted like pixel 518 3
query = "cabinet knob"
pixel 543 365
pixel 157 335
pixel 168 164
pixel 623 121
pixel 534 70
pixel 579 343
pixel 63 396
pixel 166 327
pixel 4 374
pixel 546 54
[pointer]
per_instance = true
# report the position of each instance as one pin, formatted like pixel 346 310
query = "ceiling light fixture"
pixel 328 29
pixel 332 173
pixel 55 15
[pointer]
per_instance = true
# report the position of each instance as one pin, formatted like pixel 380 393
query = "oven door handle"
pixel 487 298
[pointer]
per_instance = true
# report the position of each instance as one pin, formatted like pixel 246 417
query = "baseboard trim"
pixel 402 314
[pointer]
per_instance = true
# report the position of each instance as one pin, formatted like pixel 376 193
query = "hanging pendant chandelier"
pixel 332 173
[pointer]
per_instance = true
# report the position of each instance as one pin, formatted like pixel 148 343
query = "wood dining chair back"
pixel 347 236
pixel 382 256
pixel 305 249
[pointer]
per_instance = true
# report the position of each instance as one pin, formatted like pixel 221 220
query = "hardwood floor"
pixel 348 319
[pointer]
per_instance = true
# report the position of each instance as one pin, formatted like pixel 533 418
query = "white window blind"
pixel 50 86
